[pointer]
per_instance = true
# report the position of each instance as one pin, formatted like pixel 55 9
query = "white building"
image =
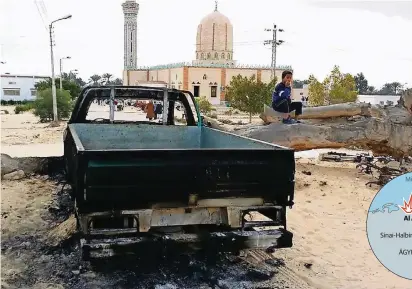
pixel 19 87
pixel 297 93
pixel 379 99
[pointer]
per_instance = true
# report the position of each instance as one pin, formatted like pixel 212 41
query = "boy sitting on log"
pixel 281 99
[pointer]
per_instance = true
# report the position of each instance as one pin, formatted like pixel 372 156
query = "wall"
pixel 175 77
pixel 25 84
pixel 297 93
pixel 230 72
pixel 379 99
pixel 213 75
pixel 266 75
pixel 134 76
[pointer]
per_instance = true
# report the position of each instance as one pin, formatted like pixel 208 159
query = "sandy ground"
pixel 328 222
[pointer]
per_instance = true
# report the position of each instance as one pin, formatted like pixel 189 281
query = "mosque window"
pixel 228 56
pixel 213 91
pixel 223 56
pixel 209 56
pixel 216 55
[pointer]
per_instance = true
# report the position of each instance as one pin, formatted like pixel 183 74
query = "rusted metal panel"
pixel 189 216
pixel 225 241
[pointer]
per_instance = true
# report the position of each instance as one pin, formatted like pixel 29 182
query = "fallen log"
pixel 388 134
pixel 382 136
pixel 323 112
pixel 406 100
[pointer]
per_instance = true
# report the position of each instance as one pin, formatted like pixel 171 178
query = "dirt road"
pixel 330 245
pixel 31 208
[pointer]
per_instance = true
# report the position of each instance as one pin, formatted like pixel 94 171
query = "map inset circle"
pixel 389 226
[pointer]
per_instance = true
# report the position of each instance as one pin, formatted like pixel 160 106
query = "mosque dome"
pixel 214 41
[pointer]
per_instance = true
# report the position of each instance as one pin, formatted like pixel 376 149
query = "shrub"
pixel 43 105
pixel 204 105
pixel 23 107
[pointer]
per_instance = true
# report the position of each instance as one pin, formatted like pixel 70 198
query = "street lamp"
pixel 55 117
pixel 61 71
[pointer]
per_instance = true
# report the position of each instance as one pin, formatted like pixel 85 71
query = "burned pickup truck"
pixel 171 179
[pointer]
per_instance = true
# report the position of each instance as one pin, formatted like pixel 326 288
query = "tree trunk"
pixel 250 117
pixel 324 112
pixel 407 100
pixel 391 134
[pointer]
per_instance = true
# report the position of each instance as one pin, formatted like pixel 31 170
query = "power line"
pixel 44 9
pixel 41 15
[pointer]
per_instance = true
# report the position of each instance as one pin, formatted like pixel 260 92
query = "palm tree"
pixel 396 86
pixel 117 81
pixel 107 76
pixel 95 78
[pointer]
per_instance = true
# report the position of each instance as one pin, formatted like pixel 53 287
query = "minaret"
pixel 130 11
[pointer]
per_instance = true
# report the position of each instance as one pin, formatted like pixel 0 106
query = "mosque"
pixel 208 74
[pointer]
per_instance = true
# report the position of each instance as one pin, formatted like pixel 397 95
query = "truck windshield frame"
pixel 168 96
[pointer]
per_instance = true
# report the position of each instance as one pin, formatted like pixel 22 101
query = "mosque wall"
pixel 131 77
pixel 267 75
pixel 208 80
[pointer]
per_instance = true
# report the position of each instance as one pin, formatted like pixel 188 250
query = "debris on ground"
pixel 62 232
pixel 13 176
pixel 382 168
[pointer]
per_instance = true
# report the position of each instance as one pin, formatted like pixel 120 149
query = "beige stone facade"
pixel 214 40
pixel 213 68
pixel 201 81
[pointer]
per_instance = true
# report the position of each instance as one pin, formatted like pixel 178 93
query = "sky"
pixel 372 37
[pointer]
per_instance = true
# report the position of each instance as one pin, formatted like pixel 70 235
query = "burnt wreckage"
pixel 139 182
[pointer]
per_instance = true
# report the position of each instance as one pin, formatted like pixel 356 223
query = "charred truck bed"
pixel 135 184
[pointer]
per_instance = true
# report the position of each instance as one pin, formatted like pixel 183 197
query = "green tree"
pixel 73 88
pixel 337 87
pixel 299 83
pixel 204 105
pixel 316 91
pixel 43 105
pixel 117 81
pixel 106 77
pixel 249 94
pixel 371 90
pixel 95 79
pixel 392 88
pixel 361 83
pixel 342 87
pixel 397 87
pixel 73 77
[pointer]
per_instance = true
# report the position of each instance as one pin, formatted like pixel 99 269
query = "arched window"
pixel 216 55
pixel 204 76
pixel 228 56
pixel 197 55
pixel 202 56
pixel 209 56
pixel 223 56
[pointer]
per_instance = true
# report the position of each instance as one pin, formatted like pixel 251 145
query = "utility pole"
pixel 55 116
pixel 61 71
pixel 274 42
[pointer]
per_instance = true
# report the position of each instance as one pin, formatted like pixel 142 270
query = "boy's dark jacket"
pixel 281 92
